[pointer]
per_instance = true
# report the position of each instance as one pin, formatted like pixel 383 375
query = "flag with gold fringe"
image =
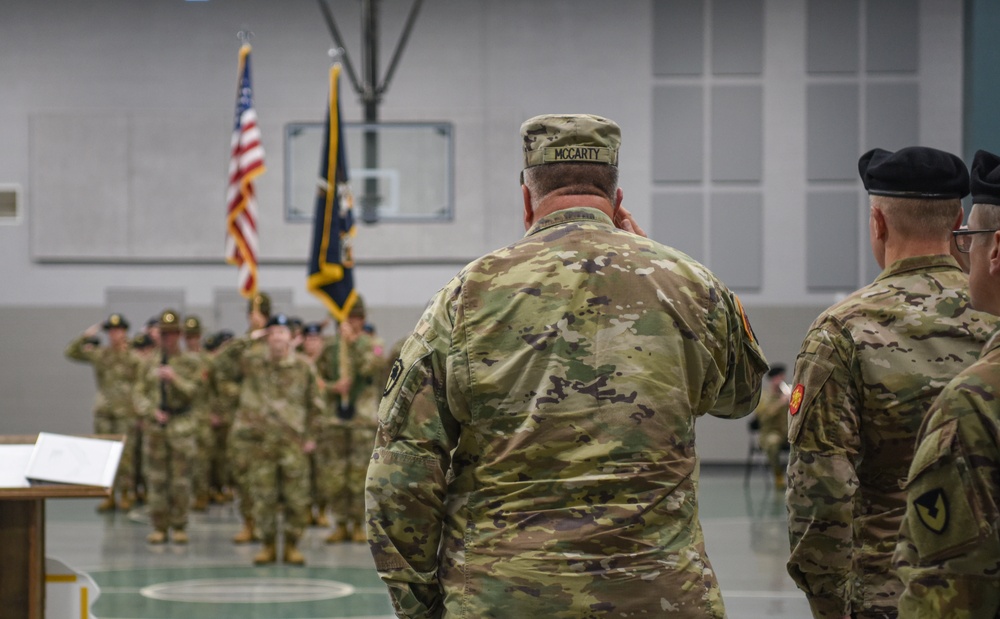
pixel 246 162
pixel 331 261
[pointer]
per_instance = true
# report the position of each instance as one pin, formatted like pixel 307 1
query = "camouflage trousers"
pixel 240 446
pixel 201 462
pixel 771 443
pixel 107 424
pixel 342 464
pixel 167 453
pixel 219 476
pixel 278 471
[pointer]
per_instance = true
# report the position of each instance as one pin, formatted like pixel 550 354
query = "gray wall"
pixel 742 123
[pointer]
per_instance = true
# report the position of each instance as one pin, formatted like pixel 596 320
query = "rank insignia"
pixel 795 400
pixel 932 510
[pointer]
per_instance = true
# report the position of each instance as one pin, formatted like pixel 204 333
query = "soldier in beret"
pixel 535 455
pixel 116 369
pixel 948 554
pixel 279 404
pixel 865 376
pixel 170 385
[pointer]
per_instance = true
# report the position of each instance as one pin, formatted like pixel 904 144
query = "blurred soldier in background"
pixel 223 399
pixel 229 368
pixel 170 386
pixel 772 417
pixel 312 348
pixel 354 437
pixel 279 404
pixel 116 370
pixel 201 409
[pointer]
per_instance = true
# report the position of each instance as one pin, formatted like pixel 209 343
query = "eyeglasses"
pixel 963 238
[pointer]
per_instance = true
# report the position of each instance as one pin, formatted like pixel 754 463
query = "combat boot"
pixel 179 537
pixel 126 502
pixel 268 554
pixel 157 537
pixel 358 532
pixel 340 534
pixel 779 480
pixel 246 534
pixel 321 520
pixel 292 555
pixel 107 505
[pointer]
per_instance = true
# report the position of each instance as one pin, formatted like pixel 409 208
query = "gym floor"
pixel 211 577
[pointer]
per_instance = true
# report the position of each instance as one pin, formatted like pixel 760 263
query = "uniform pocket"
pixel 943 520
pixel 408 375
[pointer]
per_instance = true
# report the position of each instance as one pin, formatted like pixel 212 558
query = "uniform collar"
pixel 567 215
pixel 919 263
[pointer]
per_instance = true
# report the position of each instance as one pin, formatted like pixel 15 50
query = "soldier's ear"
pixel 994 254
pixel 879 226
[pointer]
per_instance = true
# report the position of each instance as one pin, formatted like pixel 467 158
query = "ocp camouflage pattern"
pixel 948 554
pixel 536 449
pixel 870 366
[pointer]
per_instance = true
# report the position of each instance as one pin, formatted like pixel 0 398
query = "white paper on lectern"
pixel 13 463
pixel 74 460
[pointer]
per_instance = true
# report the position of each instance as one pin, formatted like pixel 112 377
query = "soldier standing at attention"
pixel 200 411
pixel 171 383
pixel 866 374
pixel 228 367
pixel 772 415
pixel 279 404
pixel 948 554
pixel 535 455
pixel 319 471
pixel 354 437
pixel 222 406
pixel 116 369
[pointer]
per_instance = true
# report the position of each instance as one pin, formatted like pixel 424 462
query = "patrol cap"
pixel 170 322
pixel 115 321
pixel 142 341
pixel 279 320
pixel 192 326
pixel 914 172
pixel 358 309
pixel 570 138
pixel 312 328
pixel 985 178
pixel 260 302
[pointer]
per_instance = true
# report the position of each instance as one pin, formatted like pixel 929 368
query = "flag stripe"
pixel 246 162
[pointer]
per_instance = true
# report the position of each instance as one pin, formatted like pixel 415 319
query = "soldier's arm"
pixel 822 478
pixel 948 552
pixel 405 487
pixel 740 360
pixel 146 393
pixel 80 350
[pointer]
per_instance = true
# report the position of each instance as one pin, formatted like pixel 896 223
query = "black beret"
pixel 914 172
pixel 985 178
pixel 279 320
pixel 312 328
pixel 142 341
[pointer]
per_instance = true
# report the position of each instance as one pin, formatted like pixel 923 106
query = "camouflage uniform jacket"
pixel 279 398
pixel 535 454
pixel 177 398
pixel 116 372
pixel 949 548
pixel 772 412
pixel 868 370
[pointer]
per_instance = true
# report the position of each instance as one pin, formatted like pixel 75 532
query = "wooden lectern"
pixel 22 539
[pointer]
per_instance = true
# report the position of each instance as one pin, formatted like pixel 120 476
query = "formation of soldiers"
pixel 282 417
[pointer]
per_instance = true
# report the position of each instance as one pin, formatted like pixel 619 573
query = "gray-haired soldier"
pixel 535 454
pixel 949 544
pixel 867 372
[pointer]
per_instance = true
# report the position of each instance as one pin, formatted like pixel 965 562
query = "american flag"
pixel 245 164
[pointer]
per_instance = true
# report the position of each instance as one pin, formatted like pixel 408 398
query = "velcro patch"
pixel 795 399
pixel 932 510
pixel 568 154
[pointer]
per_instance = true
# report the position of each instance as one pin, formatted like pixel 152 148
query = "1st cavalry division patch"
pixel 932 510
